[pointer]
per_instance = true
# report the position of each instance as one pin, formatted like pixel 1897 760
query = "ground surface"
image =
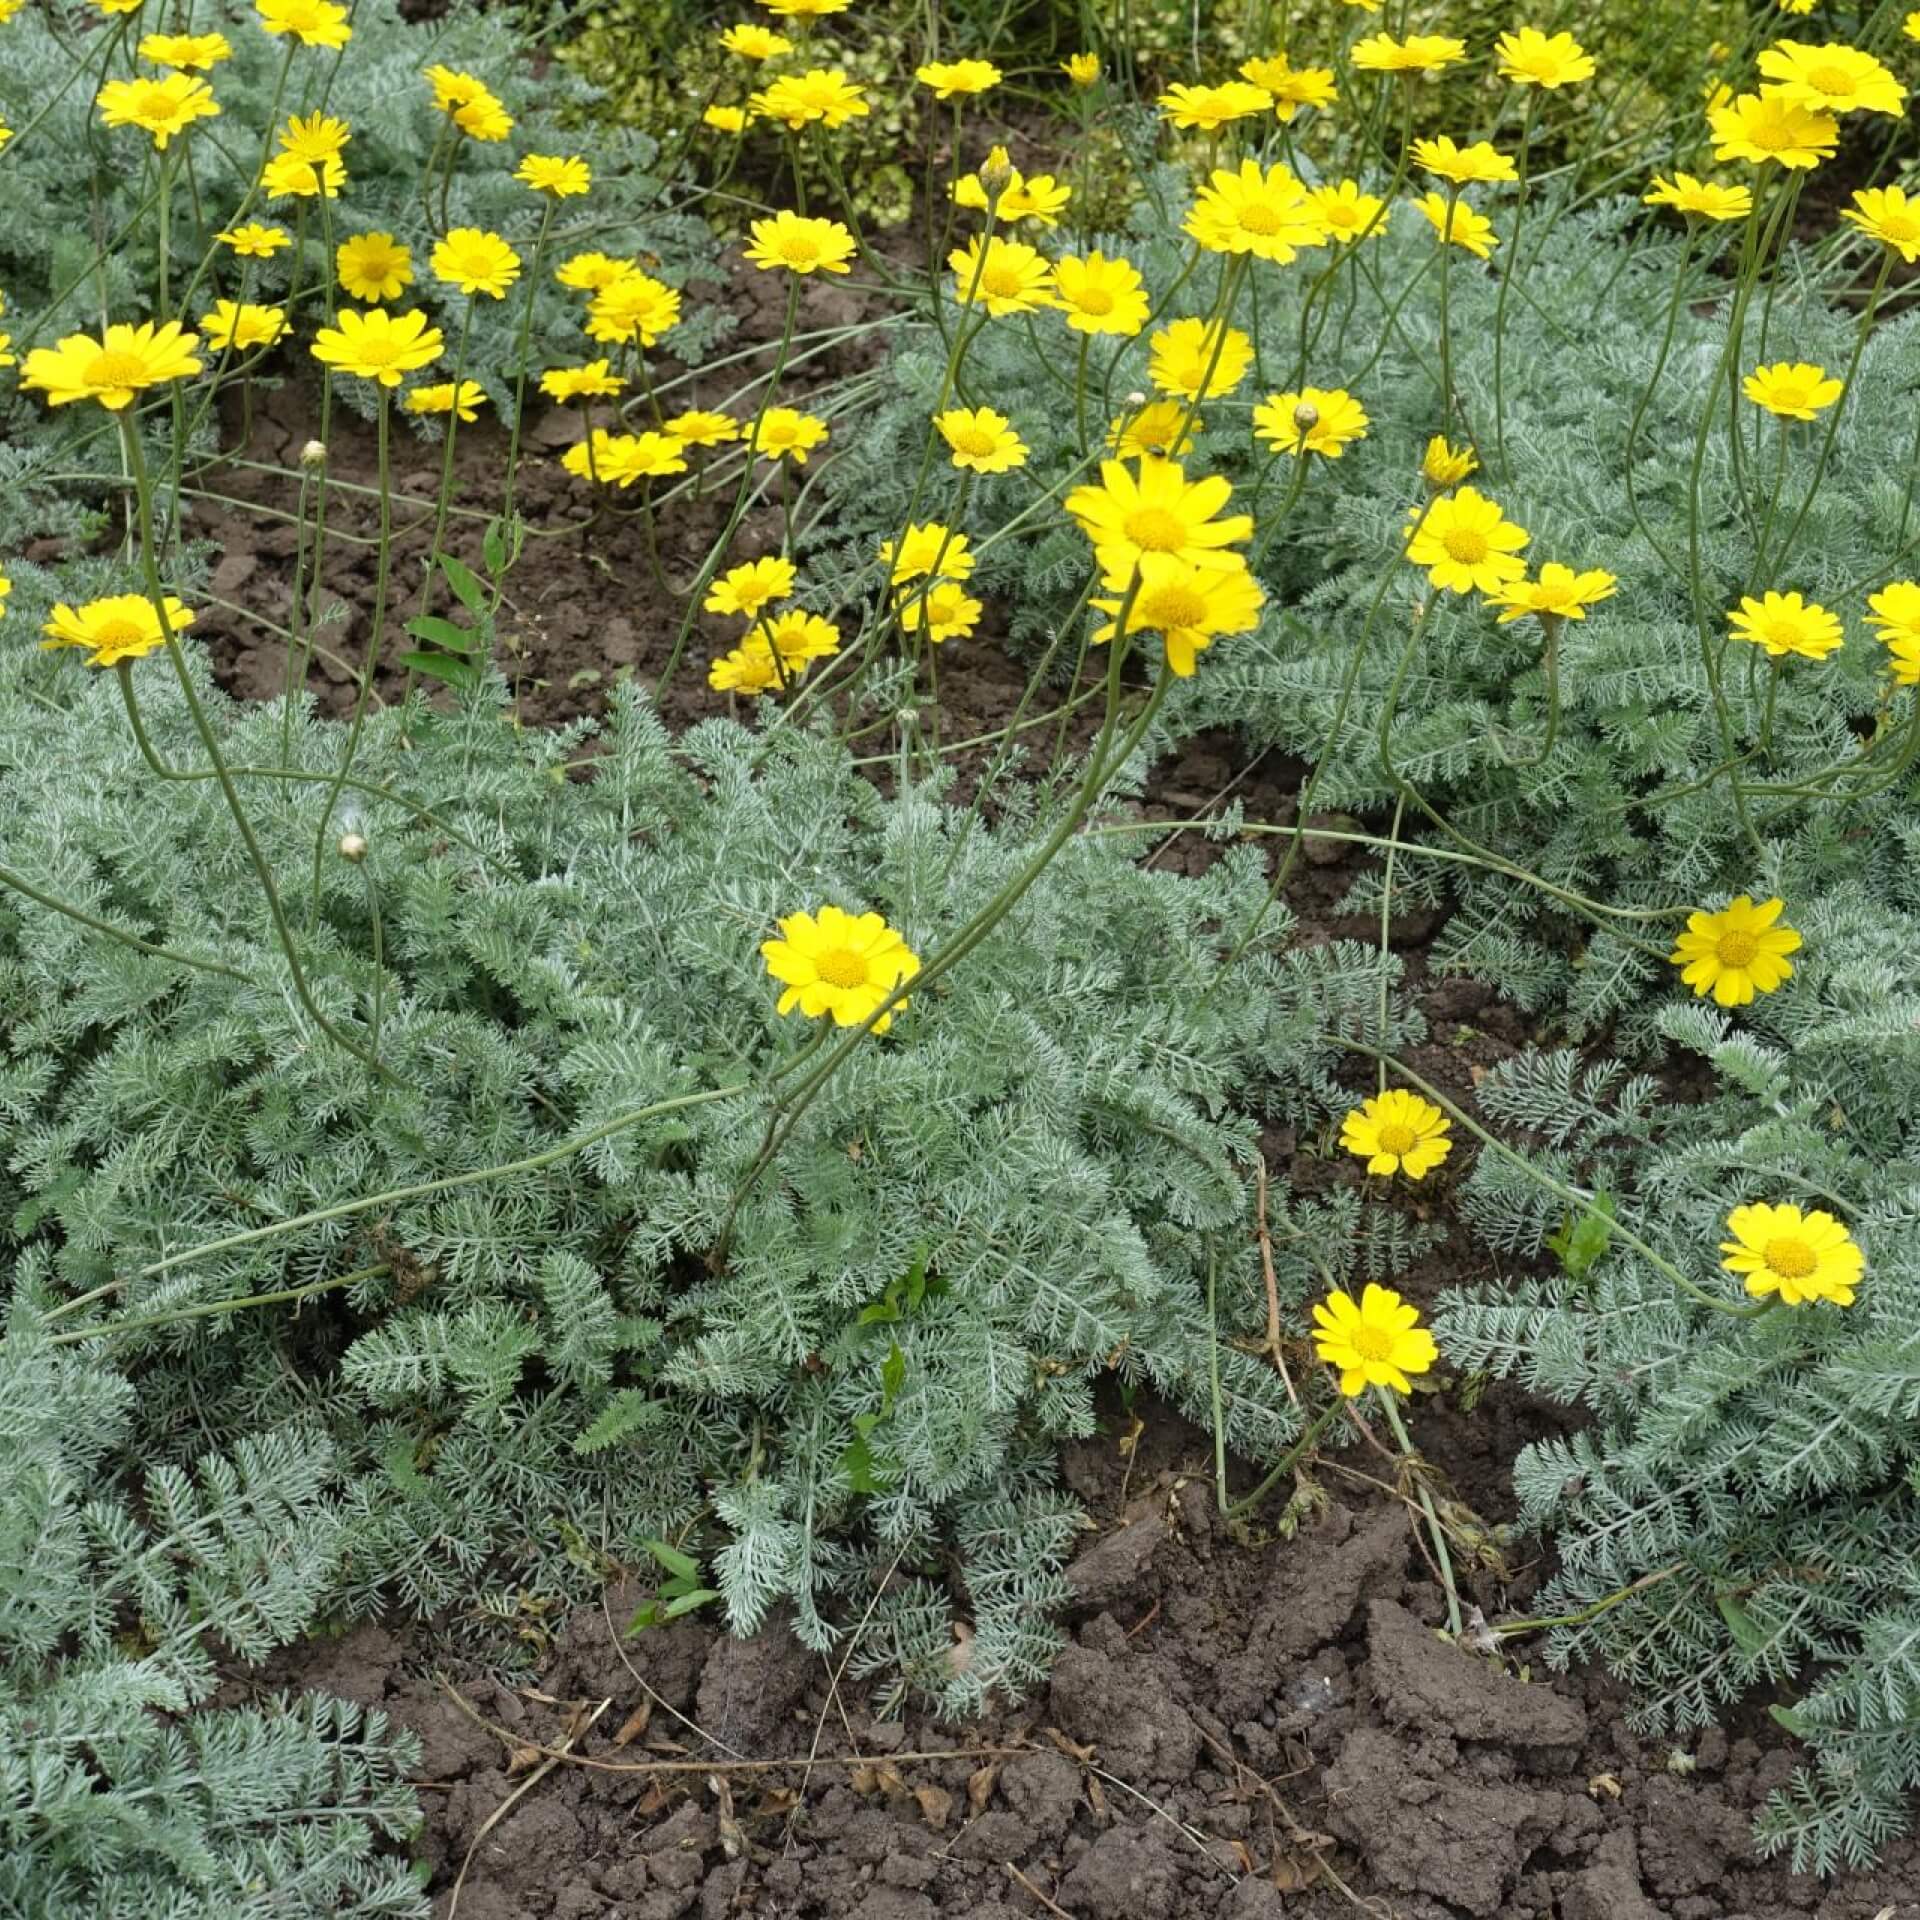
pixel 1234 1731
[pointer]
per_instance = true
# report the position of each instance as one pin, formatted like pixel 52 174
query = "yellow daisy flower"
pixel 1895 618
pixel 941 611
pixel 476 262
pixel 1398 1132
pixel 1759 128
pixel 982 441
pixel 1793 390
pixel 186 52
pixel 1830 79
pixel 800 637
pixel 1098 295
pixel 559 176
pixel 1290 88
pixel 804 9
pixel 1208 109
pixel 1887 214
pixel 1377 1342
pixel 783 433
pixel 1083 69
pixel 725 119
pixel 633 307
pixel 840 964
pixel 753 42
pixel 950 77
pixel 1322 420
pixel 1785 624
pixel 122 362
pixel 594 381
pixel 1444 465
pixel 161 108
pixel 824 94
pixel 124 626
pixel 241 327
pixel 464 401
pixel 377 345
pixel 750 588
pixel 1196 360
pixel 1802 1257
pixel 590 272
pixel 748 668
pixel 696 428
pixel 1465 166
pixel 1188 604
pixel 1346 214
pixel 1558 594
pixel 1458 225
pixel 1006 277
pixel 801 244
pixel 314 23
pixel 1467 545
pixel 255 240
pixel 1530 58
pixel 1700 199
pixel 927 548
pixel 1268 215
pixel 1156 510
pixel 1737 952
pixel 372 267
pixel 1422 53
pixel 1163 427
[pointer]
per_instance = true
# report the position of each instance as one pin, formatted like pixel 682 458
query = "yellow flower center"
pixel 376 350
pixel 1002 281
pixel 1468 545
pixel 111 635
pixel 1155 530
pixel 1371 1342
pixel 841 967
pixel 1260 216
pixel 1770 136
pixel 799 249
pixel 1737 948
pixel 1789 1257
pixel 115 369
pixel 1833 80
pixel 974 441
pixel 1094 300
pixel 1343 216
pixel 1397 1137
pixel 1170 608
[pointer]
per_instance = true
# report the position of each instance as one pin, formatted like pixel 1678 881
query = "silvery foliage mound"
pixel 1747 1486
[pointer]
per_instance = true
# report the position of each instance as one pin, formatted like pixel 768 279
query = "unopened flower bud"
pixel 1136 398
pixel 995 171
pixel 313 456
pixel 1306 416
pixel 353 846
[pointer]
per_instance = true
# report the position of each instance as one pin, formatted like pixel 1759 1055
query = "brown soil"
pixel 1235 1730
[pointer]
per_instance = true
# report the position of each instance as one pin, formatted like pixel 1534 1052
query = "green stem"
pixel 1435 1530
pixel 8 878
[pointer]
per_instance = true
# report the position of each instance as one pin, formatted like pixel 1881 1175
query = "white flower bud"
pixel 1306 416
pixel 313 456
pixel 353 846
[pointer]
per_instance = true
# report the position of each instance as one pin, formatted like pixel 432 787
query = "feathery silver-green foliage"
pixel 1759 1475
